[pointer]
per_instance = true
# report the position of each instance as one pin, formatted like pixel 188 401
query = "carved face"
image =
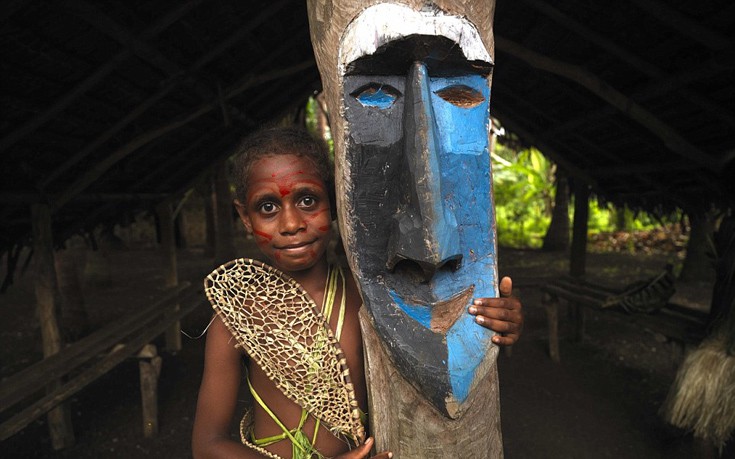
pixel 416 188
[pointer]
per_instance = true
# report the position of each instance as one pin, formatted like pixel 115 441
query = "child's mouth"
pixel 295 247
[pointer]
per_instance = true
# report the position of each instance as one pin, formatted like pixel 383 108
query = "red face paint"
pixel 266 236
pixel 286 183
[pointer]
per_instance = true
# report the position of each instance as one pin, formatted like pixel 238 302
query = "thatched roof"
pixel 109 107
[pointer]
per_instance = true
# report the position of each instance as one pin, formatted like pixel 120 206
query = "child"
pixel 284 200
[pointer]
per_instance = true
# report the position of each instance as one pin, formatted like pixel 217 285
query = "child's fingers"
pixel 506 340
pixel 502 315
pixel 505 287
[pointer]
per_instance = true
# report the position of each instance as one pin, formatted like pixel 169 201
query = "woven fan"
pixel 278 324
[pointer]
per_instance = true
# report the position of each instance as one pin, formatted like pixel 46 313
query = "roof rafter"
pixel 99 20
pixel 100 168
pixel 652 90
pixel 663 12
pixel 166 88
pixel 597 86
pixel 632 59
pixel 83 86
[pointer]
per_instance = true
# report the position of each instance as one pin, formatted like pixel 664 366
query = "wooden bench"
pixel 680 325
pixel 28 394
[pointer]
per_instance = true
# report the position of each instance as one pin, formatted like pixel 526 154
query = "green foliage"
pixel 523 186
pixel 524 194
pixel 312 125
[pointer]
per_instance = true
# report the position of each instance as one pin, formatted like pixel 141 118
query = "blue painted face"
pixel 423 225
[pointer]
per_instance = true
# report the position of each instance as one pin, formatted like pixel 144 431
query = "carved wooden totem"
pixel 408 87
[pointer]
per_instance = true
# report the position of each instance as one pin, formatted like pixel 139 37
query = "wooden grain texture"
pixel 403 422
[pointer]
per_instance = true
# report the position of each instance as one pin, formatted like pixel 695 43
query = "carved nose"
pixel 424 234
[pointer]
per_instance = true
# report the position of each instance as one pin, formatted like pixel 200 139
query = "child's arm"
pixel 503 315
pixel 218 398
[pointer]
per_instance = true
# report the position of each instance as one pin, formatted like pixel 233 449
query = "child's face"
pixel 287 211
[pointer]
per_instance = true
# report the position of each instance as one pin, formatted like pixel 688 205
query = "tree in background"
pixel 557 236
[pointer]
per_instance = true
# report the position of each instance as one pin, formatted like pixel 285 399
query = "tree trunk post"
pixel 59 418
pixel 408 214
pixel 206 190
pixel 150 370
pixel 170 274
pixel 415 424
pixel 578 256
pixel 557 236
pixel 698 265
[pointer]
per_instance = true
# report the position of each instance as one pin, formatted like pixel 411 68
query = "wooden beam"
pixel 103 23
pixel 669 136
pixel 512 125
pixel 632 59
pixel 82 87
pixel 582 169
pixel 20 197
pixel 166 88
pixel 59 419
pixel 100 168
pixel 638 168
pixel 683 24
pixel 593 37
pixel 655 89
pixel 135 342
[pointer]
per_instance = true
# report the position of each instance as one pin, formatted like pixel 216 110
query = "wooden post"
pixel 171 277
pixel 150 370
pixel 557 236
pixel 224 244
pixel 551 304
pixel 578 255
pixel 59 418
pixel 209 217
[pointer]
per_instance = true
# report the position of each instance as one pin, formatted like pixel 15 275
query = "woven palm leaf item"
pixel 281 328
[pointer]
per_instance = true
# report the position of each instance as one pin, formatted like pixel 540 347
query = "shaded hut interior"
pixel 110 109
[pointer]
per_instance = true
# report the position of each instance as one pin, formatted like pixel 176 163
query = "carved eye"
pixel 461 96
pixel 376 95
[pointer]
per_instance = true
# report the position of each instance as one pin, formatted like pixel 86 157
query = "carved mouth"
pixel 438 316
pixel 445 313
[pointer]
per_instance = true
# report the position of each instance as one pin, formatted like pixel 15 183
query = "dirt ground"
pixel 601 401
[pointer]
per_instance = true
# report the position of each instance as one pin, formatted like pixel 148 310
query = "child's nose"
pixel 291 220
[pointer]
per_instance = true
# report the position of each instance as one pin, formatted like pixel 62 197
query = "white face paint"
pixel 386 22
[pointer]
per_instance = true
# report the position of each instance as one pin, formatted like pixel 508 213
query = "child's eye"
pixel 267 208
pixel 461 96
pixel 308 201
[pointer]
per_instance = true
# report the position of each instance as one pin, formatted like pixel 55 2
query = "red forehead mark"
pixel 284 190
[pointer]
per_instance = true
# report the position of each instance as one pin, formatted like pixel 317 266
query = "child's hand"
pixel 503 315
pixel 363 451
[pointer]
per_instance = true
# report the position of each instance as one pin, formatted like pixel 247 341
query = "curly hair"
pixel 277 141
